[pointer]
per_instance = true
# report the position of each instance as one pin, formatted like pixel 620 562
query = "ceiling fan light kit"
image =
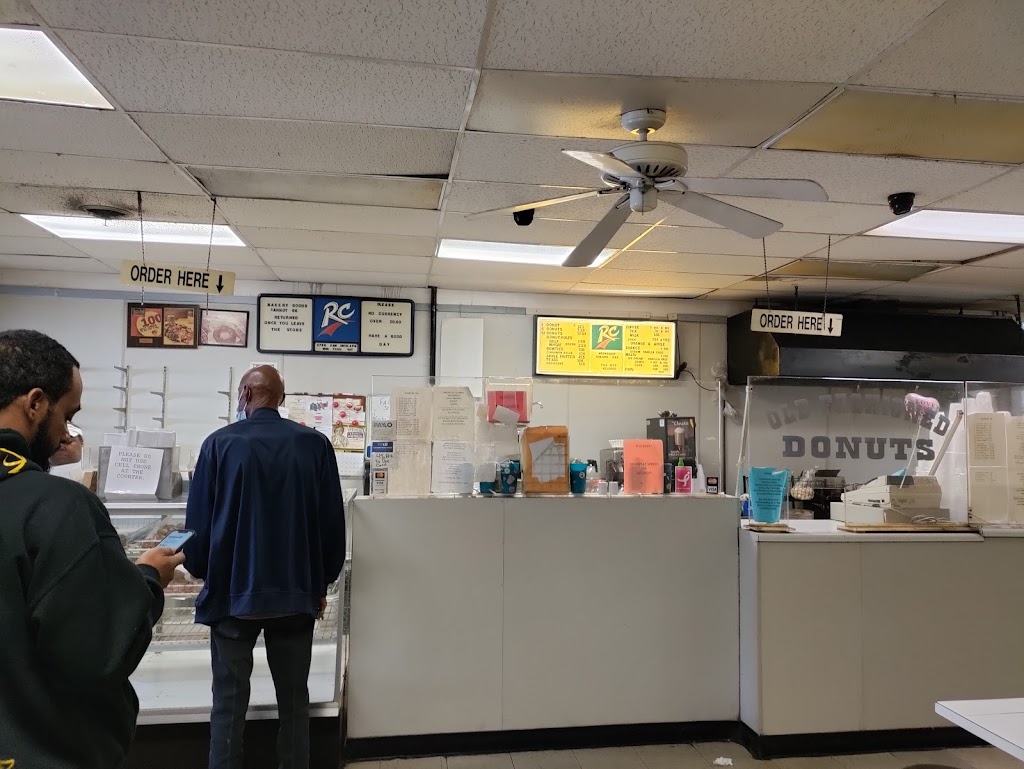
pixel 647 172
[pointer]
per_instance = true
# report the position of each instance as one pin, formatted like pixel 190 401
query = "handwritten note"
pixel 133 471
pixel 409 469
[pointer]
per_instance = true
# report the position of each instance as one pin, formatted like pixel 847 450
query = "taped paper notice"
pixel 454 414
pixel 505 416
pixel 452 468
pixel 546 460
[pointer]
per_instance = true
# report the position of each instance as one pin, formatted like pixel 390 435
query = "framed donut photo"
pixel 224 328
pixel 162 326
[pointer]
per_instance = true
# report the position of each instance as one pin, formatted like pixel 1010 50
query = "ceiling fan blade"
pixel 738 219
pixel 783 189
pixel 538 203
pixel 602 161
pixel 598 238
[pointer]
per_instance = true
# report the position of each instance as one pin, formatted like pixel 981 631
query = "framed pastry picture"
pixel 224 328
pixel 162 326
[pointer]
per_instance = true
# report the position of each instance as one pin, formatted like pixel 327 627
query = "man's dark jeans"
pixel 289 642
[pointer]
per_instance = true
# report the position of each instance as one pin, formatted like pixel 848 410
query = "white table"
pixel 999 722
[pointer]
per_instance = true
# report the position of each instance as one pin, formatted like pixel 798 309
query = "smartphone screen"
pixel 177 539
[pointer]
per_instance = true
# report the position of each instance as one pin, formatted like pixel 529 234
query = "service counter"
pixel 859 633
pixel 474 615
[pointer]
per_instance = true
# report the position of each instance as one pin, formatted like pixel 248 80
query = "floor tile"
pixel 549 759
pixel 363 765
pixel 988 758
pixel 609 758
pixel 673 757
pixel 942 757
pixel 871 761
pixel 813 762
pixel 741 758
pixel 437 762
pixel 493 761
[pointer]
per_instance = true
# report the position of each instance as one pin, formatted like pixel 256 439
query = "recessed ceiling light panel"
pixel 83 228
pixel 956 225
pixel 513 253
pixel 33 69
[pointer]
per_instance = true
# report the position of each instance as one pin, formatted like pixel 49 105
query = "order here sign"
pixel 789 322
pixel 178 277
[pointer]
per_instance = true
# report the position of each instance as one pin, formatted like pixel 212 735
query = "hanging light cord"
pixel 142 240
pixel 767 293
pixel 828 263
pixel 209 250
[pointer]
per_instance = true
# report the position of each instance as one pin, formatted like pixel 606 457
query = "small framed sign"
pixel 162 326
pixel 224 328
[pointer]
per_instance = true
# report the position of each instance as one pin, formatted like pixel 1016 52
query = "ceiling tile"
pixel 284 214
pixel 73 131
pixel 825 218
pixel 607 289
pixel 718 264
pixel 884 249
pixel 351 278
pixel 54 170
pixel 301 146
pixel 496 273
pixel 868 179
pixel 113 252
pixel 719 112
pixel 1002 195
pixel 667 280
pixel 798 40
pixel 327 260
pixel 782 291
pixel 735 295
pixel 435 33
pixel 146 75
pixel 1005 280
pixel 951 294
pixel 457 283
pixel 15 12
pixel 58 263
pixel 1012 260
pixel 969 46
pixel 550 232
pixel 64 201
pixel 710 240
pixel 48 246
pixel 253 272
pixel 339 242
pixel 539 159
pixel 12 225
pixel 387 191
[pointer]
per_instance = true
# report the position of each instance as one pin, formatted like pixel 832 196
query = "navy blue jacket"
pixel 265 503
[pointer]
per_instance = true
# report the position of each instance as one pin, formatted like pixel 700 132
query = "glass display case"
pixel 993 445
pixel 174 679
pixel 859 451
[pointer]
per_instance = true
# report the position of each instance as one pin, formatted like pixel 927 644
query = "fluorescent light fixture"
pixel 956 225
pixel 87 228
pixel 32 68
pixel 513 253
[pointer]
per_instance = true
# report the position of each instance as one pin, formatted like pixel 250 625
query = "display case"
pixel 859 451
pixel 173 681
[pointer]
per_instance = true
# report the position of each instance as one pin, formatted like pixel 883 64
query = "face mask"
pixel 240 414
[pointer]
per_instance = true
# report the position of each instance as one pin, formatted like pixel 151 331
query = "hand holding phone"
pixel 164 560
pixel 176 539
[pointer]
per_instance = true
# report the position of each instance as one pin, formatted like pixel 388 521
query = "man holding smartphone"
pixel 76 615
pixel 265 504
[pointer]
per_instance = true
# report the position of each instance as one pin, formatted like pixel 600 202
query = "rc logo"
pixel 335 315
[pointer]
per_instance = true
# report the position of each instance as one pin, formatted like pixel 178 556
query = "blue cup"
pixel 508 477
pixel 578 477
pixel 487 487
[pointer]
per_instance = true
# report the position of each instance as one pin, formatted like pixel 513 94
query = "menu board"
pixel 591 347
pixel 335 325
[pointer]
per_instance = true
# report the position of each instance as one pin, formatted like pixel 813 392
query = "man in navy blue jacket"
pixel 265 503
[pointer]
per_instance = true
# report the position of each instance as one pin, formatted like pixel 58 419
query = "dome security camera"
pixel 901 203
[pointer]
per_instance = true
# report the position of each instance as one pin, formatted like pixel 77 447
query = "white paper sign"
pixel 453 467
pixel 409 469
pixel 386 327
pixel 454 414
pixel 133 470
pixel 410 410
pixel 285 324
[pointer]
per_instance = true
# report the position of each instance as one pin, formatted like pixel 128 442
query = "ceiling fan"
pixel 643 172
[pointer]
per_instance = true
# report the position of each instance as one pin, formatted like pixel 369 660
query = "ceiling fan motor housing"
pixel 643 199
pixel 655 160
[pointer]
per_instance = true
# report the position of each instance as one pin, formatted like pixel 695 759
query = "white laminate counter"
pixel 472 615
pixel 863 632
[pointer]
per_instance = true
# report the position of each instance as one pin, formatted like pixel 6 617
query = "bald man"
pixel 265 503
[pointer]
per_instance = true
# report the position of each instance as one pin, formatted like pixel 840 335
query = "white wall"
pixel 87 314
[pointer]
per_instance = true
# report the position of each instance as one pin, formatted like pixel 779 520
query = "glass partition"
pixel 993 445
pixel 859 451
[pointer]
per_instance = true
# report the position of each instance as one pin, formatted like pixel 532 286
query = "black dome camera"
pixel 901 203
pixel 523 218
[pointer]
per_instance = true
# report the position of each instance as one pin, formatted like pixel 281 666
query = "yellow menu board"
pixel 589 347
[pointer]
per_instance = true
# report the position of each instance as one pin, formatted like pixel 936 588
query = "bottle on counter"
pixel 684 477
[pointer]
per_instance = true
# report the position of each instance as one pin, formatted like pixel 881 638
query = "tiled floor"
pixel 701 756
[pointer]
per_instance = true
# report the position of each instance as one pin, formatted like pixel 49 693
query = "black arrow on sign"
pixel 830 325
pixel 220 287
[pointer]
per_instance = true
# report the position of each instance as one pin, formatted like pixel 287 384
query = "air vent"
pixel 104 212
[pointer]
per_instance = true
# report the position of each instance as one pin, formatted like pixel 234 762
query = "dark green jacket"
pixel 76 616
